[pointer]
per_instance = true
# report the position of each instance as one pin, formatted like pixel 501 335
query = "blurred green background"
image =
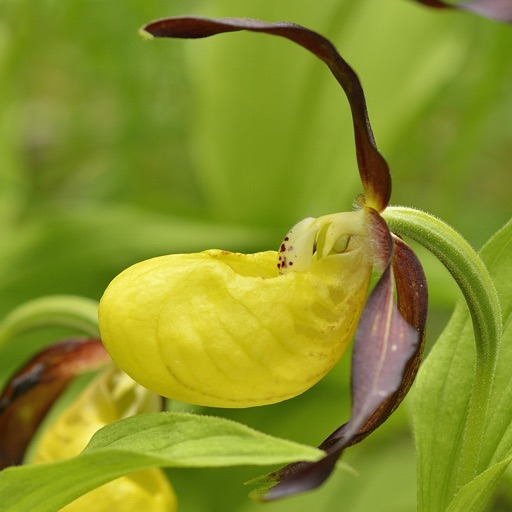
pixel 114 149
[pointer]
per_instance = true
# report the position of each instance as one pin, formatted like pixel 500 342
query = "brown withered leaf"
pixel 499 10
pixel 373 168
pixel 30 394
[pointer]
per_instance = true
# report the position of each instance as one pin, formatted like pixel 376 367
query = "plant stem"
pixel 54 311
pixel 478 289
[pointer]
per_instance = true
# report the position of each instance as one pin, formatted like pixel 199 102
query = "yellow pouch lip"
pixel 150 330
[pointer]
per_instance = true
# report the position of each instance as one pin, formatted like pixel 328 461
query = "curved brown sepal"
pixel 373 168
pixel 30 394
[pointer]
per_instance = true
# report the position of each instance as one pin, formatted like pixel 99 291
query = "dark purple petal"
pixel 387 350
pixel 30 394
pixel 384 344
pixel 373 168
pixel 500 10
pixel 295 478
pixel 412 295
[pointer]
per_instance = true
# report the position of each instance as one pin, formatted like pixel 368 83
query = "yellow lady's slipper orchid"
pixel 232 330
pixel 109 397
pixel 224 329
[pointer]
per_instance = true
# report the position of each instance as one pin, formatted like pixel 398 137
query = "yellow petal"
pixel 227 330
pixel 109 397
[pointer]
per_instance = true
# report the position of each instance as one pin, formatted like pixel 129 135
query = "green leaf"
pixel 139 442
pixel 443 391
pixel 476 494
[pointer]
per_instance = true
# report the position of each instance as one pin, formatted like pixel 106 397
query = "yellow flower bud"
pixel 223 329
pixel 109 397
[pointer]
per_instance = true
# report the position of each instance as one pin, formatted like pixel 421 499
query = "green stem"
pixel 76 313
pixel 478 289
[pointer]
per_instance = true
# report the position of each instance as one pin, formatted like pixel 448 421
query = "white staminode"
pixel 312 239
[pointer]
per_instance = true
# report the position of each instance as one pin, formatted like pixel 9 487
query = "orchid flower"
pixel 109 396
pixel 225 329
